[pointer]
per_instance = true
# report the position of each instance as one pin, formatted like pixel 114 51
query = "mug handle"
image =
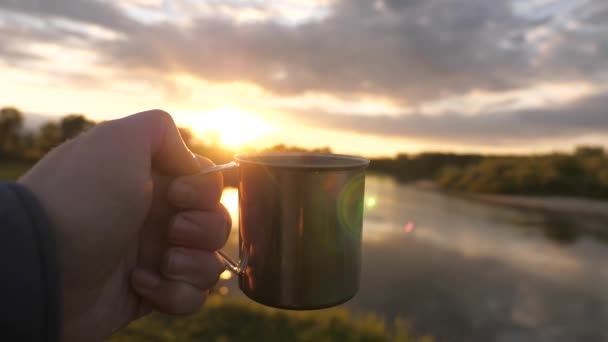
pixel 234 266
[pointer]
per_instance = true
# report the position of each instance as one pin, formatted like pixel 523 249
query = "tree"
pixel 74 124
pixel 11 121
pixel 589 151
pixel 49 136
pixel 28 147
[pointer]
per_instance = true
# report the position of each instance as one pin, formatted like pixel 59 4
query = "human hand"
pixel 135 228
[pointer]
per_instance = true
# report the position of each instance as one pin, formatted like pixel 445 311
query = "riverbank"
pixel 582 173
pixel 563 219
pixel 555 204
pixel 562 205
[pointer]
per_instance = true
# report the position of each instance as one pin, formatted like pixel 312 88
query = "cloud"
pixel 410 52
pixel 583 117
pixel 62 23
pixel 95 12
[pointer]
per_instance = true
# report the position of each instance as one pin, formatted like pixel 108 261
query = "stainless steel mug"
pixel 300 227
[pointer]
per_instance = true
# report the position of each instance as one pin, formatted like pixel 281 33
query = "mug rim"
pixel 347 161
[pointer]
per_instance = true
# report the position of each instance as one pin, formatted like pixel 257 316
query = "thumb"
pixel 169 153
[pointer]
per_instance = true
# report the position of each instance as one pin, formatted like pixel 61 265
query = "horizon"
pixel 40 119
pixel 373 78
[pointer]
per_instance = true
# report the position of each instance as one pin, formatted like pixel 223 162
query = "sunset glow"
pixel 230 200
pixel 233 127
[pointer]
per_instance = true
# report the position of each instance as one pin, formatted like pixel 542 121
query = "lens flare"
pixel 226 275
pixel 371 202
pixel 409 227
pixel 350 205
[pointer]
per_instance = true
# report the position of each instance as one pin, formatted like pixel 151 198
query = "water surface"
pixel 464 270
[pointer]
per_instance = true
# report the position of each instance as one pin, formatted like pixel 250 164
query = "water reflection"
pixel 409 227
pixel 467 271
pixel 230 200
pixel 223 290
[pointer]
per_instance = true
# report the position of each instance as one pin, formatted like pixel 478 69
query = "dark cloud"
pixel 54 22
pixel 95 12
pixel 586 116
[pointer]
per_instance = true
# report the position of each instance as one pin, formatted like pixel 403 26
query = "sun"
pixel 233 127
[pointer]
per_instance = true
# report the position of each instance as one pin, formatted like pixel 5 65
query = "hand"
pixel 135 228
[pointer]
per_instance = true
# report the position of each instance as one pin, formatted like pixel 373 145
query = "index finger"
pixel 202 192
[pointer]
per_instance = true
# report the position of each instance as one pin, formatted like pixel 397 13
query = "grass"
pixel 11 170
pixel 234 319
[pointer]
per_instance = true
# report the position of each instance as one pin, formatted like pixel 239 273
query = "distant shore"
pixel 556 204
pixel 561 205
pixel 582 173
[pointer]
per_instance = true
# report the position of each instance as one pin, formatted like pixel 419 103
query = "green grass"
pixel 224 319
pixel 11 170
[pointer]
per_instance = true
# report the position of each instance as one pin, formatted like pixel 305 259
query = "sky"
pixel 367 77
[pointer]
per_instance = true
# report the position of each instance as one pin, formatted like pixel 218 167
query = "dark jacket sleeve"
pixel 30 305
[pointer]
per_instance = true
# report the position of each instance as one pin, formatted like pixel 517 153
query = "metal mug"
pixel 300 227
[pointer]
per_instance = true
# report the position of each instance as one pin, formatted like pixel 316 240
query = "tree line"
pixel 16 143
pixel 581 173
pixel 19 144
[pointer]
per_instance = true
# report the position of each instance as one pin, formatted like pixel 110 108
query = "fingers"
pixel 190 266
pixel 193 266
pixel 186 272
pixel 197 191
pixel 208 230
pixel 166 295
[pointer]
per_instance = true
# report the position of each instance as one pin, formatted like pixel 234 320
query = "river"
pixel 464 270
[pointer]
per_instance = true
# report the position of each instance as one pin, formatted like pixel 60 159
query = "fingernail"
pixel 182 194
pixel 145 279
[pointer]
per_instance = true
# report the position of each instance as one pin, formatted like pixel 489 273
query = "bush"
pixel 232 319
pixel 583 173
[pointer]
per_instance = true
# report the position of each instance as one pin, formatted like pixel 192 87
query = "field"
pixel 11 170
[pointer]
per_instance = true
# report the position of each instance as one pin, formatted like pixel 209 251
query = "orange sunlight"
pixel 233 127
pixel 230 200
